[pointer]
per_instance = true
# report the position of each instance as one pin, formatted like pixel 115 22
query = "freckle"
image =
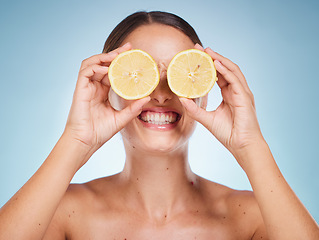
pixel 244 212
pixel 165 216
pixel 39 224
pixel 73 211
pixel 166 168
pixel 137 179
pixel 197 211
pixel 133 146
pixel 239 205
pixel 224 217
pixel 271 191
pixel 69 215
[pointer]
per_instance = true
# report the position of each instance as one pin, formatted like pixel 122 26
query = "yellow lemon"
pixel 191 73
pixel 133 74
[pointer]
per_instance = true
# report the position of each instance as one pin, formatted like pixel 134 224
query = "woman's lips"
pixel 159 119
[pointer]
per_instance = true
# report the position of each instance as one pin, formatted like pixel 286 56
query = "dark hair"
pixel 130 23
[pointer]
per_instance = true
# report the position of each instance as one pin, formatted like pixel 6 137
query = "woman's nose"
pixel 162 92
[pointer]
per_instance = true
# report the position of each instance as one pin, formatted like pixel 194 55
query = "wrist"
pixel 76 153
pixel 254 156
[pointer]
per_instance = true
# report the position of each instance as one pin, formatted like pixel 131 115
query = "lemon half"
pixel 191 73
pixel 133 74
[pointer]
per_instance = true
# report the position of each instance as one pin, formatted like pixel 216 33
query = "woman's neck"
pixel 158 182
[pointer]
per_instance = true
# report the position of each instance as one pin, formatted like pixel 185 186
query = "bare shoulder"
pixel 238 207
pixel 79 197
pixel 75 206
pixel 92 190
pixel 236 201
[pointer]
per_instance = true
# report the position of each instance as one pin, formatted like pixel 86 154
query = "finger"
pixel 127 46
pixel 105 81
pixel 133 110
pixel 221 80
pixel 226 62
pixel 225 79
pixel 86 75
pixel 228 77
pixel 99 76
pixel 231 66
pixel 199 47
pixel 104 58
pixel 195 112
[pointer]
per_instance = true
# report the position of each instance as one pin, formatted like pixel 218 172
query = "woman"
pixel 156 195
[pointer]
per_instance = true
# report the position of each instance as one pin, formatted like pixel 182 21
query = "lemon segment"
pixel 133 74
pixel 191 73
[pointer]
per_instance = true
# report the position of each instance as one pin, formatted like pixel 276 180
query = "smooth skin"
pixel 156 196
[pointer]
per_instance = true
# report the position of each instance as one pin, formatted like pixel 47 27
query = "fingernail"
pixel 126 44
pixel 200 47
pixel 147 99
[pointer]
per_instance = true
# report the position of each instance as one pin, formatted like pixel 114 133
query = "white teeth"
pixel 163 118
pixel 159 118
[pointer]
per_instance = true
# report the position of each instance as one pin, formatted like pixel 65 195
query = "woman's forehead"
pixel 161 41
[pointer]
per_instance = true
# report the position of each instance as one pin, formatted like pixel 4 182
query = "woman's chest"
pixel 130 228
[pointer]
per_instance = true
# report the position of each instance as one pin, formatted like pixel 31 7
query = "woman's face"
pixel 150 130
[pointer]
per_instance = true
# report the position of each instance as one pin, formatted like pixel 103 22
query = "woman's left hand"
pixel 234 123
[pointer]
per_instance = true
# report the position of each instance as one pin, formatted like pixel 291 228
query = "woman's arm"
pixel 234 123
pixel 285 217
pixel 91 122
pixel 28 213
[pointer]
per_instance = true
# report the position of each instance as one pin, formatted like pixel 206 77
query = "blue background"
pixel 275 43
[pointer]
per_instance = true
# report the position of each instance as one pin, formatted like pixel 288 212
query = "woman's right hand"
pixel 92 121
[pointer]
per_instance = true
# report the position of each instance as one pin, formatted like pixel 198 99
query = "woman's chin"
pixel 153 137
pixel 163 145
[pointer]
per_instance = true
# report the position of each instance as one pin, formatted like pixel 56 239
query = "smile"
pixel 159 118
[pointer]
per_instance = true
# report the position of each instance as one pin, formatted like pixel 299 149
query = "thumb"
pixel 133 110
pixel 197 113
